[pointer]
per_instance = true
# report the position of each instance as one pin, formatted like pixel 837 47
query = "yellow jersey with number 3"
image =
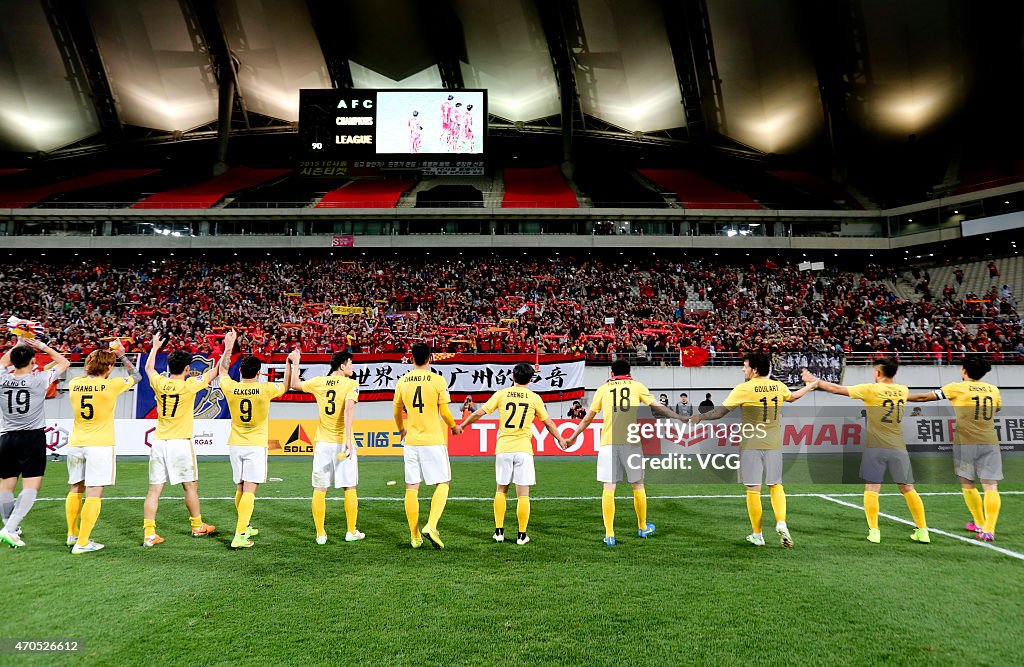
pixel 249 404
pixel 175 405
pixel 885 405
pixel 517 408
pixel 92 402
pixel 975 405
pixel 618 401
pixel 424 395
pixel 332 392
pixel 760 401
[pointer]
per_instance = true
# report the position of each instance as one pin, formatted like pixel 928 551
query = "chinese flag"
pixel 693 356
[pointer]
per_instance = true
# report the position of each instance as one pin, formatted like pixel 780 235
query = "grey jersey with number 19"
pixel 21 400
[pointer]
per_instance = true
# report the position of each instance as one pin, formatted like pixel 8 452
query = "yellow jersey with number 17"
pixel 760 401
pixel 424 395
pixel 885 403
pixel 331 392
pixel 175 405
pixel 517 408
pixel 975 405
pixel 92 402
pixel 249 404
pixel 618 401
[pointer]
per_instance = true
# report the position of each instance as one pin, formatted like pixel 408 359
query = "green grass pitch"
pixel 694 592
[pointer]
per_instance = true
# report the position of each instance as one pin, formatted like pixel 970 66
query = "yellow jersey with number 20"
pixel 885 404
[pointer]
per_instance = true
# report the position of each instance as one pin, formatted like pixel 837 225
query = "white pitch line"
pixel 977 543
pixel 561 498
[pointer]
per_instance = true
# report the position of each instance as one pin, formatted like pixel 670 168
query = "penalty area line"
pixel 987 545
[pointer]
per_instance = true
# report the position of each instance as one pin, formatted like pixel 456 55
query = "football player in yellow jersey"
pixel 885 402
pixel 619 399
pixel 334 456
pixel 517 408
pixel 760 400
pixel 172 457
pixel 975 445
pixel 249 405
pixel 423 395
pixel 90 451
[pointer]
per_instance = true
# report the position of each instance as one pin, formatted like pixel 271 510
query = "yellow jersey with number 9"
pixel 249 404
pixel 92 402
pixel 885 404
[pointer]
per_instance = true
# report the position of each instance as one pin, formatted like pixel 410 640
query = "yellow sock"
pixel 523 512
pixel 992 504
pixel 916 506
pixel 72 510
pixel 778 495
pixel 437 504
pixel 608 511
pixel 974 504
pixel 238 498
pixel 754 510
pixel 90 513
pixel 640 505
pixel 149 527
pixel 319 511
pixel 871 508
pixel 245 506
pixel 351 509
pixel 196 522
pixel 500 506
pixel 412 512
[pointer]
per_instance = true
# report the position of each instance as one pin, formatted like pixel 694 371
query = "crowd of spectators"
pixel 647 307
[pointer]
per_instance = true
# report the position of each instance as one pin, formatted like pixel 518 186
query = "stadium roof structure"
pixel 922 91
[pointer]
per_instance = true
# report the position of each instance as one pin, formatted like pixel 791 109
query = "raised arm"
pixel 129 367
pixel 294 357
pixel 158 342
pixel 824 385
pixel 229 346
pixel 61 364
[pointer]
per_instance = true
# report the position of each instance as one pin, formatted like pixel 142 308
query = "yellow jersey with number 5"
pixel 885 404
pixel 249 404
pixel 92 402
pixel 618 401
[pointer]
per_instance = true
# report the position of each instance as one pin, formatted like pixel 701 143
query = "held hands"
pixel 456 430
pixel 562 443
pixel 809 378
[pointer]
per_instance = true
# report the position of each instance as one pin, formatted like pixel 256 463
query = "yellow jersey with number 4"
pixel 424 395
pixel 175 405
pixel 517 408
pixel 249 404
pixel 618 401
pixel 760 401
pixel 331 392
pixel 92 402
pixel 885 405
pixel 975 405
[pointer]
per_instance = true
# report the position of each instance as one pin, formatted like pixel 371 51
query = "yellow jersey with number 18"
pixel 885 403
pixel 517 408
pixel 92 402
pixel 249 404
pixel 618 401
pixel 975 405
pixel 331 392
pixel 175 405
pixel 424 395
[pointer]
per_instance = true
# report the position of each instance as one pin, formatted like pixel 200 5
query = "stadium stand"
pixel 207 193
pixel 367 194
pixel 559 304
pixel 819 187
pixel 29 196
pixel 696 191
pixel 542 187
pixel 990 177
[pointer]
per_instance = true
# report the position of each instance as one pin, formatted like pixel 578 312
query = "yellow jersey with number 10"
pixel 249 404
pixel 517 408
pixel 975 405
pixel 885 403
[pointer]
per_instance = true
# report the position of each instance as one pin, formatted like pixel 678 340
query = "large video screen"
pixel 433 131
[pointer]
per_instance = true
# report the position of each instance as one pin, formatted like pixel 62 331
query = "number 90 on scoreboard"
pixel 433 131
